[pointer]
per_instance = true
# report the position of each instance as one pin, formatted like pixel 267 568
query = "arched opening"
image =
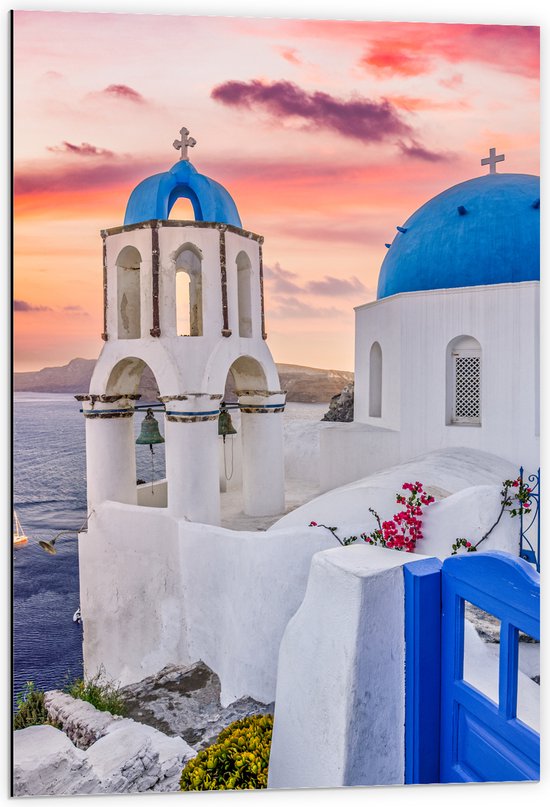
pixel 189 291
pixel 463 381
pixel 182 210
pixel 375 381
pixel 244 375
pixel 129 293
pixel 131 376
pixel 244 281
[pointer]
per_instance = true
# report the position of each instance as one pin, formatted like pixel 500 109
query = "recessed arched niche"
pixel 375 381
pixel 244 281
pixel 128 265
pixel 189 315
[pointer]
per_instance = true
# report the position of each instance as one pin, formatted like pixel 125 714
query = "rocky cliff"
pixel 303 384
pixel 341 406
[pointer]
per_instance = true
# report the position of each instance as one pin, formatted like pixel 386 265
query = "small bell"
pixel 150 433
pixel 225 426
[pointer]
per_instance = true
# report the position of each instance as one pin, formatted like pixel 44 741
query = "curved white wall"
pixel 155 590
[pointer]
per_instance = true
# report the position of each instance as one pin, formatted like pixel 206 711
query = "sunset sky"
pixel 326 134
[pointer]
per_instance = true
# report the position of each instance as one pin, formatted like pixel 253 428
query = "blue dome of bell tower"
pixel 480 232
pixel 155 196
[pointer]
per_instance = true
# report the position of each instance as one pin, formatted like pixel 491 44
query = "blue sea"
pixel 49 491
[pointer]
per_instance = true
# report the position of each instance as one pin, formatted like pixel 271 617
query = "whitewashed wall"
pixel 352 451
pixel 340 705
pixel 414 330
pixel 155 590
pixel 158 590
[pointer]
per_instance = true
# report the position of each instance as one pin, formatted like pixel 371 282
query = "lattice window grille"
pixel 467 397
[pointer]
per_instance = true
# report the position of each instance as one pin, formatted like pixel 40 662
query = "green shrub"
pixel 100 692
pixel 238 760
pixel 30 708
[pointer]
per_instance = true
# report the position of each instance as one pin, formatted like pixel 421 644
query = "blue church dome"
pixel 477 233
pixel 155 196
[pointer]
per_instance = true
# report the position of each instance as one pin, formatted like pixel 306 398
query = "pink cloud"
pixel 416 104
pixel 358 118
pixel 84 150
pixel 75 309
pixel 282 283
pixel 123 91
pixel 80 177
pixel 281 280
pixel 292 308
pixel 453 82
pixel 412 50
pixel 290 55
pixel 418 152
pixel 22 305
pixel 336 286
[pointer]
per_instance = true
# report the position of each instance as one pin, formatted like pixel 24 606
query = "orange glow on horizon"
pixel 327 135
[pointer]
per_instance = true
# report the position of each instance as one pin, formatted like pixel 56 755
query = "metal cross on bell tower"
pixel 185 143
pixel 492 160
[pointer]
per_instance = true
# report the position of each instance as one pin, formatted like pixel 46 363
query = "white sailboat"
pixel 19 537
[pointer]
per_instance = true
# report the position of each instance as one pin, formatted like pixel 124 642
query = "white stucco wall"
pixel 414 330
pixel 132 601
pixel 340 704
pixel 378 323
pixel 352 451
pixel 155 590
pixel 443 472
pixel 469 514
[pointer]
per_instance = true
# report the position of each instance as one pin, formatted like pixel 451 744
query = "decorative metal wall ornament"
pixel 526 549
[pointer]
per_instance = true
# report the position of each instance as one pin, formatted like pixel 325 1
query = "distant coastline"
pixel 303 384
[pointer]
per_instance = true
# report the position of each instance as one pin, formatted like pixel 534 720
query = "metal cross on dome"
pixel 185 143
pixel 492 160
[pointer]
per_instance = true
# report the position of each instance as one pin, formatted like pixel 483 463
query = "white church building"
pixel 448 354
pixel 446 392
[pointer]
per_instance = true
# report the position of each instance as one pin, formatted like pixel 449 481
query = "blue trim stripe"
pixel 194 414
pixel 260 406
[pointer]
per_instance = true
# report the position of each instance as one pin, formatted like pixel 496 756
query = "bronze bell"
pixel 149 434
pixel 225 426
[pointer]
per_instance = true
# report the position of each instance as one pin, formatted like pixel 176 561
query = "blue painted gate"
pixel 454 732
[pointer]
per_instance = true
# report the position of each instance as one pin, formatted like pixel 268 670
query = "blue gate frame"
pixel 454 733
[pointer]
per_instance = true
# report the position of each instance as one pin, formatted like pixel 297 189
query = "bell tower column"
pixel 110 450
pixel 262 448
pixel 192 461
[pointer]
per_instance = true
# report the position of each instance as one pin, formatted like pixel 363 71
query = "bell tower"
pixel 184 298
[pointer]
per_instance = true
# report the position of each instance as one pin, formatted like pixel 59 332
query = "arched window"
pixel 375 381
pixel 244 277
pixel 129 293
pixel 189 291
pixel 464 381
